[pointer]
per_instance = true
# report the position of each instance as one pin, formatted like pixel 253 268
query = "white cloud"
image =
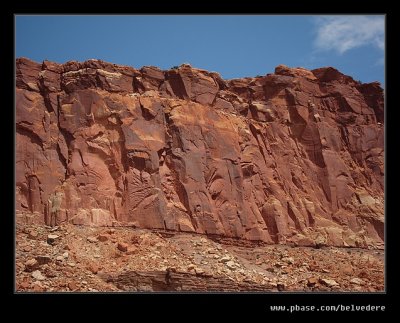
pixel 342 33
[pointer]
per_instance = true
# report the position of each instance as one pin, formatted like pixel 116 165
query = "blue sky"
pixel 234 46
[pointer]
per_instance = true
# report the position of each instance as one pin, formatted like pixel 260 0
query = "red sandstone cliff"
pixel 185 150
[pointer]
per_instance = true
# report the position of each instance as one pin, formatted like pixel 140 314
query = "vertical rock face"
pixel 292 157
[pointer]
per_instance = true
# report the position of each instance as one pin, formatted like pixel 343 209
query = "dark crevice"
pixel 177 85
pixel 45 94
pixel 62 159
pixel 345 135
pixel 170 159
pixel 121 142
pixel 324 183
pixel 254 133
pixel 137 85
pixel 379 227
pixel 297 123
pixel 34 189
pixel 65 133
pixel 311 142
pixel 294 218
pixel 311 220
pixel 272 227
pixel 146 114
pixel 82 161
pixel 177 185
pixel 35 139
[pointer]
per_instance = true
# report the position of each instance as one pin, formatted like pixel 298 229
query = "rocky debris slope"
pixel 291 157
pixel 72 258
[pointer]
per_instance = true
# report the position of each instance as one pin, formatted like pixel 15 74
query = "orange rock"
pixel 102 237
pixel 38 288
pixel 72 286
pixel 94 268
pixel 200 154
pixel 33 235
pixel 135 239
pixel 312 281
pixel 132 250
pixel 122 246
pixel 347 270
pixel 24 285
pixel 31 265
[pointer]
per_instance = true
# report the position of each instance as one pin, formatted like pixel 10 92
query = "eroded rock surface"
pixel 90 259
pixel 292 157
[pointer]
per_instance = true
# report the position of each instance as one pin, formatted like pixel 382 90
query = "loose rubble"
pixel 139 260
